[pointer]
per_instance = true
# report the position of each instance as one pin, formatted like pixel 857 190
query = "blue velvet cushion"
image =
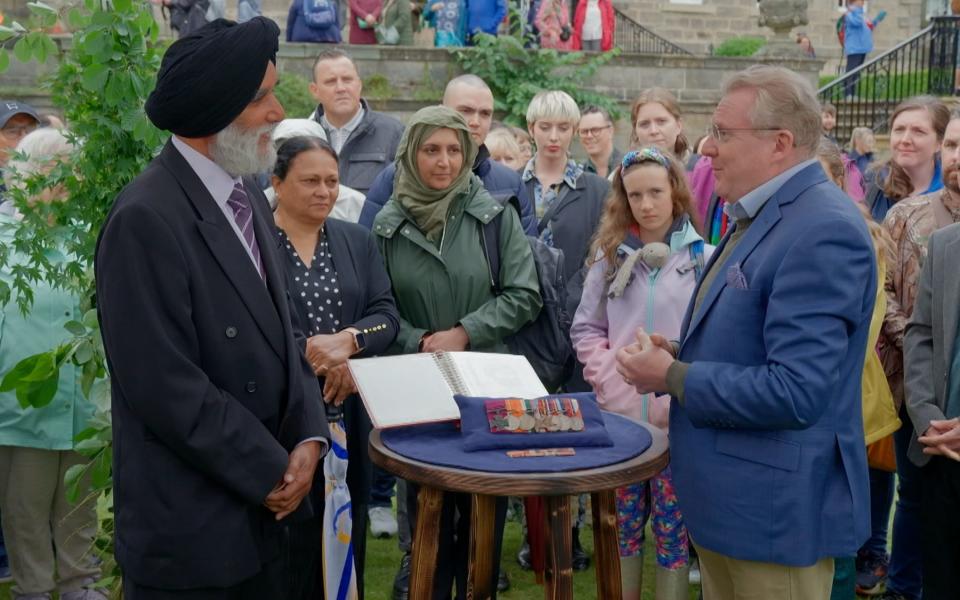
pixel 477 435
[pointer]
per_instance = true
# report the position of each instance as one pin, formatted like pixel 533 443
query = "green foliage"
pixel 429 89
pixel 101 83
pixel 293 92
pixel 740 46
pixel 515 74
pixel 377 87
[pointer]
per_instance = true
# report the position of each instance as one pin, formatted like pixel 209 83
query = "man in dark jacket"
pixel 218 425
pixel 365 140
pixel 471 97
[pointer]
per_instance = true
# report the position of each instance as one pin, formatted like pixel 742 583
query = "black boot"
pixel 401 582
pixel 503 581
pixel 581 562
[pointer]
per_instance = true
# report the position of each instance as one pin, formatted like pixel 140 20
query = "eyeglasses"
pixel 594 131
pixel 13 133
pixel 722 135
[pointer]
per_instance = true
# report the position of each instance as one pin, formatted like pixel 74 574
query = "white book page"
pixel 497 375
pixel 403 390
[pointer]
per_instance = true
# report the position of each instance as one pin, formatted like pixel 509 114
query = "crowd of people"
pixel 783 307
pixel 586 25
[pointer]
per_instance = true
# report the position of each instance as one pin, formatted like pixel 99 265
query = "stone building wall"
pixel 699 25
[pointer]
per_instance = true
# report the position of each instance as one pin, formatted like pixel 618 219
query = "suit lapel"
pixel 696 290
pixel 768 217
pixel 340 262
pixel 228 250
pixel 951 293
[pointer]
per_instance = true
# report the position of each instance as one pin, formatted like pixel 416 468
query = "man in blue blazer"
pixel 765 425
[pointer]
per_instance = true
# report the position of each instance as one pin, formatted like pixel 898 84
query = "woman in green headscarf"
pixel 429 233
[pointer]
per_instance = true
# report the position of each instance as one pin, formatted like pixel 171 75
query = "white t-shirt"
pixel 592 21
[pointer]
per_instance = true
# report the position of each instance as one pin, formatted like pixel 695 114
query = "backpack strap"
pixel 490 241
pixel 545 219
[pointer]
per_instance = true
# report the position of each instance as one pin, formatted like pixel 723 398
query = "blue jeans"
pixel 247 9
pixel 881 500
pixel 906 566
pixel 381 491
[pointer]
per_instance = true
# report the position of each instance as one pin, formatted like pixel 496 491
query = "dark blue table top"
pixel 442 444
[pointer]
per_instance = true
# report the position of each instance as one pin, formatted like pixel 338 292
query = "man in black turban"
pixel 217 419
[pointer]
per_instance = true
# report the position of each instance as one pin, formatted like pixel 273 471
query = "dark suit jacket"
pixel 210 390
pixel 931 335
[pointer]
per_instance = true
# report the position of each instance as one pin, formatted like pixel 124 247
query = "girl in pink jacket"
pixel 648 258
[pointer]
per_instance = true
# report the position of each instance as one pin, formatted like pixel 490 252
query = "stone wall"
pixel 411 77
pixel 699 25
pixel 416 73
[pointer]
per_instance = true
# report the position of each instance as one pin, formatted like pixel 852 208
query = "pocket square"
pixel 735 277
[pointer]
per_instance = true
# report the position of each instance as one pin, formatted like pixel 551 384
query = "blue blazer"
pixel 767 451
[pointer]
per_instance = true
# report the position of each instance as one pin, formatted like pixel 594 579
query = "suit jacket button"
pixel 231 332
pixel 251 386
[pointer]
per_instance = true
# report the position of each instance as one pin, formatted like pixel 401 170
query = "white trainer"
pixel 382 522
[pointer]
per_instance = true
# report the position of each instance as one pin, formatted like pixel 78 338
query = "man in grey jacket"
pixel 365 139
pixel 932 385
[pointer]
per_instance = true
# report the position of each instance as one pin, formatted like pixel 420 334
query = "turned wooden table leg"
pixel 423 560
pixel 559 550
pixel 482 531
pixel 606 550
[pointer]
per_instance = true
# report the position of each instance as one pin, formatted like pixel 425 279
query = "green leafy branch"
pixel 101 81
pixel 515 69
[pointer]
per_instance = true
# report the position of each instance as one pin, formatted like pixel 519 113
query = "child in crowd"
pixel 647 258
pixel 504 149
pixel 828 120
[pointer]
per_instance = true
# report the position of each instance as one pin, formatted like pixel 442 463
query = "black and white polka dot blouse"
pixel 314 289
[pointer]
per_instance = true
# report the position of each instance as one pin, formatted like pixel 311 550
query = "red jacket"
pixel 606 18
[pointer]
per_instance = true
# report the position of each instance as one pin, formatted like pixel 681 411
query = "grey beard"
pixel 237 150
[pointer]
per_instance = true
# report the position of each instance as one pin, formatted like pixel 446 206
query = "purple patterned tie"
pixel 243 215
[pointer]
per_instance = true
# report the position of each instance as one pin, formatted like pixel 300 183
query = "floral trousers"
pixel 654 501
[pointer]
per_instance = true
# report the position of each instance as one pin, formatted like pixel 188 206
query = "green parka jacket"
pixel 436 289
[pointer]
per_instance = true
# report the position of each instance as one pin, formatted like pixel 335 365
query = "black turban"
pixel 207 78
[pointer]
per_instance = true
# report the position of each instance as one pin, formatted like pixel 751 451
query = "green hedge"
pixel 895 87
pixel 740 46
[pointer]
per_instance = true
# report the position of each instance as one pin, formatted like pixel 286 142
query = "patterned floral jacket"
pixel 909 223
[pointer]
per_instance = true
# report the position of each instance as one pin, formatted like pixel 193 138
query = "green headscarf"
pixel 428 206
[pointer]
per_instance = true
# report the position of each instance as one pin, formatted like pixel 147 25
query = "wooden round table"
pixel 484 486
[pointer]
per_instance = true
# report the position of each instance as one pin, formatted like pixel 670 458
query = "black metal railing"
pixel 922 64
pixel 633 38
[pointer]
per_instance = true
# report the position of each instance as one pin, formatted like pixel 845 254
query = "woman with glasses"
pixel 596 137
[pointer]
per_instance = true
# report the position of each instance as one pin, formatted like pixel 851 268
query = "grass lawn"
pixel 383 557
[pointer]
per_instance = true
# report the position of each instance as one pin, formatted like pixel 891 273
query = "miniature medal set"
pixel 542 415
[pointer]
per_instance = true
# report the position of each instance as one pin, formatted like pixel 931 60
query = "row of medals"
pixel 540 422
